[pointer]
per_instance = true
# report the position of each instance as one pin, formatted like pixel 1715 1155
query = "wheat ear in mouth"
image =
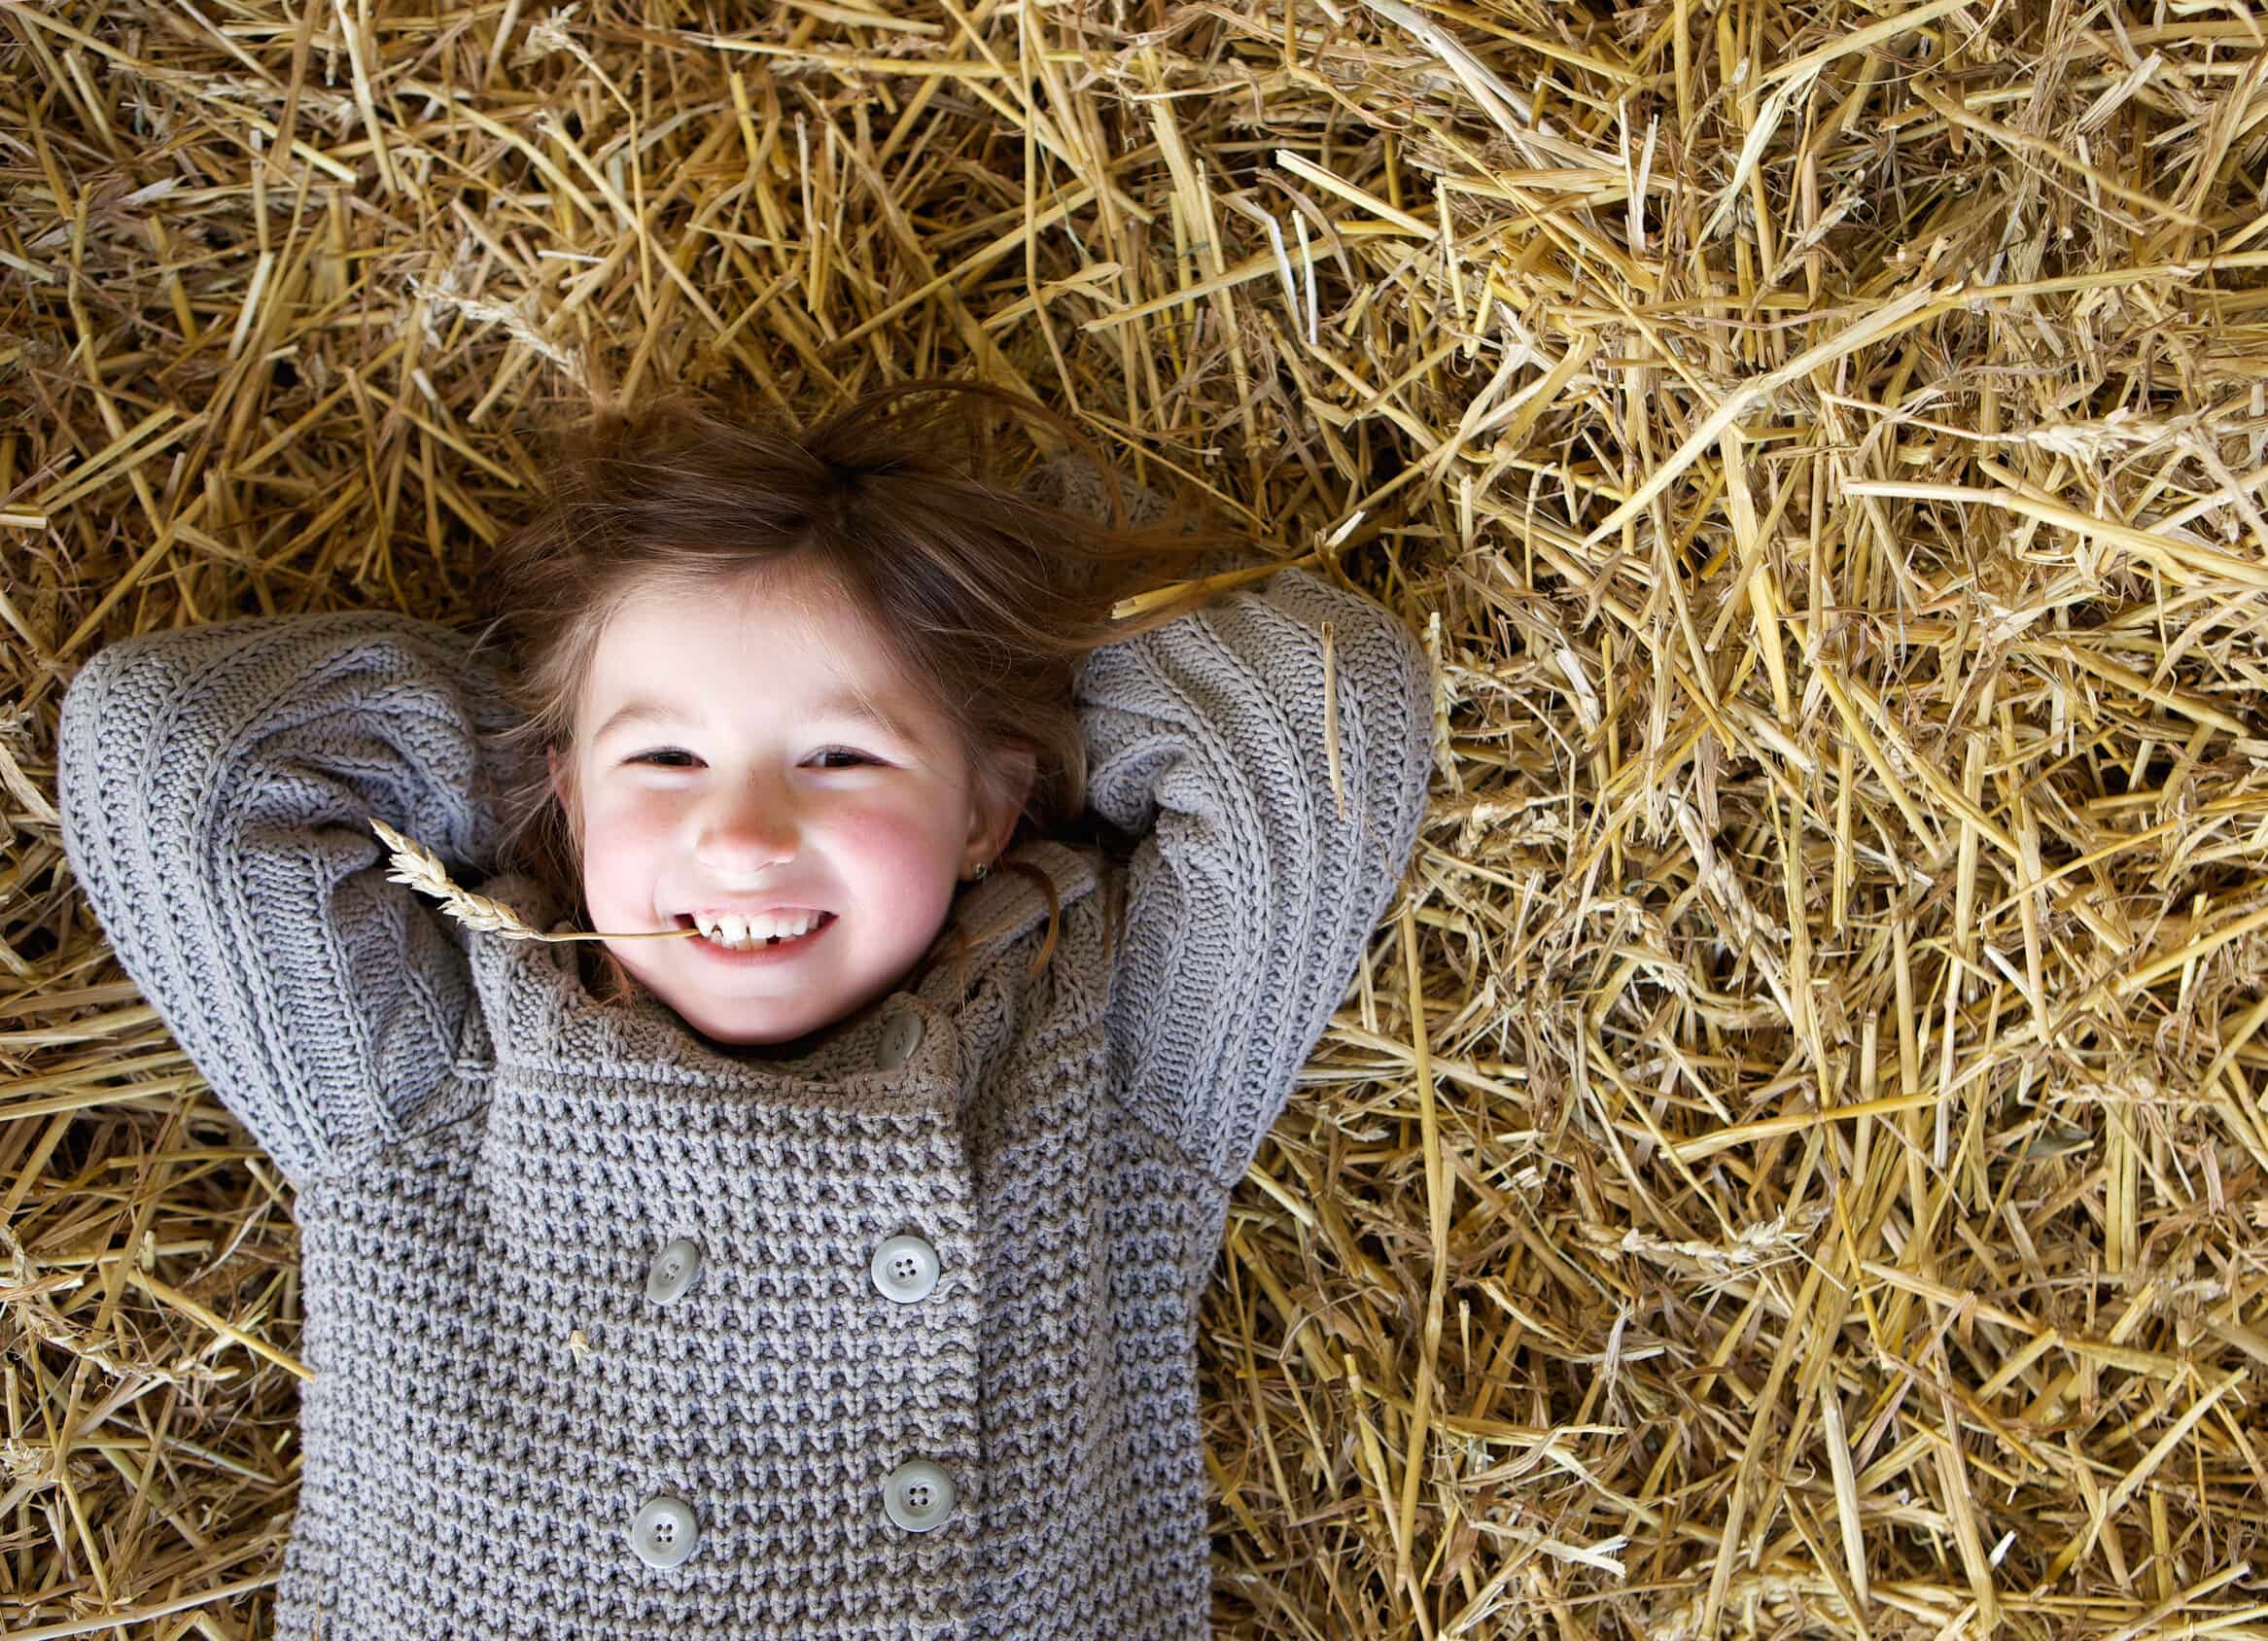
pixel 420 868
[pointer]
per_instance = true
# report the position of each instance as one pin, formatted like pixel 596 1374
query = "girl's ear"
pixel 558 788
pixel 994 821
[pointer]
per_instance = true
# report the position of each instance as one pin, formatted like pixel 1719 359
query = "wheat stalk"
pixel 420 868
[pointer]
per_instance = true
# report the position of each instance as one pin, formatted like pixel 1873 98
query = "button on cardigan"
pixel 488 1162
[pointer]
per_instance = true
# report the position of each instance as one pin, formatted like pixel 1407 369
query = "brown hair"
pixel 983 593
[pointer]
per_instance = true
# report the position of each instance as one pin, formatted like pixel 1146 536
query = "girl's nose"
pixel 747 829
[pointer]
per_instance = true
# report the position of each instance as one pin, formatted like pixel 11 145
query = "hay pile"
pixel 1794 1164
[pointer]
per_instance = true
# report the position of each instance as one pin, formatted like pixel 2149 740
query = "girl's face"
pixel 724 761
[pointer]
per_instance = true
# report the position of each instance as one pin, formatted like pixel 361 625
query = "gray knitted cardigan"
pixel 616 1333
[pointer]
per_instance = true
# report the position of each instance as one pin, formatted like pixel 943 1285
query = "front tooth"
pixel 733 929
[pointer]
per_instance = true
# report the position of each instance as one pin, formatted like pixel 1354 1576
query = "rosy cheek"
pixel 621 832
pixel 632 812
pixel 894 843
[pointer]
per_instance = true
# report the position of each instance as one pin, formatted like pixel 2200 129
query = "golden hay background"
pixel 1794 1164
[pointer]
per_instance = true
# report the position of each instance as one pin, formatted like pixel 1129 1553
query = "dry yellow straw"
pixel 1822 451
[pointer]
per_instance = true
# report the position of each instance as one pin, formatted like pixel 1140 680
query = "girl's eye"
pixel 661 753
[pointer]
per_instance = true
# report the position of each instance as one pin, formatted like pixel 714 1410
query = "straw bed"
pixel 1794 1162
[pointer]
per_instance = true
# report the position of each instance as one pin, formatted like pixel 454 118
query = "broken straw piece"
pixel 420 868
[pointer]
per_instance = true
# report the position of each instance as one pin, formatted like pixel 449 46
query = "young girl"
pixel 847 1286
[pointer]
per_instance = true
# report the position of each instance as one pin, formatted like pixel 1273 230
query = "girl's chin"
pixel 756 1020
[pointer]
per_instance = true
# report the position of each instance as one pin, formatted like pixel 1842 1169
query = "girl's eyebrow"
pixel 635 712
pixel 845 704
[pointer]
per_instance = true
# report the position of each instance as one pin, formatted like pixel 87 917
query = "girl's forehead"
pixel 786 633
pixel 802 606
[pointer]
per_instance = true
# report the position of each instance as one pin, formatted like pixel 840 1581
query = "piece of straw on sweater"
pixel 420 868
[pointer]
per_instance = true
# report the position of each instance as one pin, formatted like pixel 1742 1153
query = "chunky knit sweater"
pixel 617 1332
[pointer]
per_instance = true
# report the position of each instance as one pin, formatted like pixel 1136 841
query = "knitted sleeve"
pixel 1252 898
pixel 216 784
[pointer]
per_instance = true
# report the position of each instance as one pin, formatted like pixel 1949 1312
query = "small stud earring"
pixel 982 870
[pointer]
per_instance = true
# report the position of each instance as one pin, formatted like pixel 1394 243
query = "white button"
pixel 917 1495
pixel 664 1533
pixel 672 1270
pixel 905 1268
pixel 899 1039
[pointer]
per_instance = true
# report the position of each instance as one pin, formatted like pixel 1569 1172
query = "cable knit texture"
pixel 488 1162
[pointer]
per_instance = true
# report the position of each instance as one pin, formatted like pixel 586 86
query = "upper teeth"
pixel 785 926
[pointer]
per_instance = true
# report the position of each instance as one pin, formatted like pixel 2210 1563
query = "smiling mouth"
pixel 686 921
